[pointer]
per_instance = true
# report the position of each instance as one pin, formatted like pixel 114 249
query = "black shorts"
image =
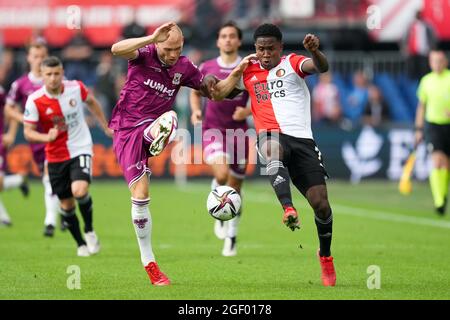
pixel 302 158
pixel 438 137
pixel 62 174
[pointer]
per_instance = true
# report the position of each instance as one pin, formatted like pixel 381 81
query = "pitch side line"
pixel 373 214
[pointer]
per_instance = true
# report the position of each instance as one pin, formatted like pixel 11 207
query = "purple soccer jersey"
pixel 18 95
pixel 219 116
pixel 2 107
pixel 151 88
pixel 2 148
pixel 150 91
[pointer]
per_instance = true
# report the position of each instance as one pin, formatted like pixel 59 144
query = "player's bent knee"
pixel 79 190
pixel 67 204
pixel 322 208
pixel 79 193
pixel 440 160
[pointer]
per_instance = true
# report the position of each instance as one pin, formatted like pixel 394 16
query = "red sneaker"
pixel 290 218
pixel 328 272
pixel 156 276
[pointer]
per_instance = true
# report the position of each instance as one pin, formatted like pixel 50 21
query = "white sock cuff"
pixel 12 181
pixel 140 202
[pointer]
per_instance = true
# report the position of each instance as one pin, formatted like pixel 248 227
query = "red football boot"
pixel 290 218
pixel 328 272
pixel 157 277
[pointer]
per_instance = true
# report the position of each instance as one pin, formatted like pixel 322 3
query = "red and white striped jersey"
pixel 280 98
pixel 64 111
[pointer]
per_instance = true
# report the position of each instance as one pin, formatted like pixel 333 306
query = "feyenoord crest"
pixel 72 102
pixel 176 78
pixel 280 72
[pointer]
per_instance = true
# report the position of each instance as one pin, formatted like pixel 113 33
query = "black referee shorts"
pixel 437 137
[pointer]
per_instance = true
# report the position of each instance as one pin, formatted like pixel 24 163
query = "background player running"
pixel 17 97
pixel 58 108
pixel 228 157
pixel 13 180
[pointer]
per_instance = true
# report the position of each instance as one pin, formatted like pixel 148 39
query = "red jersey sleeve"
pixel 297 62
pixel 83 90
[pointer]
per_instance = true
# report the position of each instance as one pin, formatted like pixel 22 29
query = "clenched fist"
pixel 311 42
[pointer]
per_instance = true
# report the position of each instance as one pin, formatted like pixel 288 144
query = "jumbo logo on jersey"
pixel 159 87
pixel 280 73
pixel 265 91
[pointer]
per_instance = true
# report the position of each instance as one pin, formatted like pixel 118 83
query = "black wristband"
pixel 418 128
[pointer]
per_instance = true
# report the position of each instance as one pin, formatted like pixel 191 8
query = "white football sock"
pixel 52 204
pixel 142 223
pixel 12 181
pixel 233 224
pixel 4 213
pixel 214 184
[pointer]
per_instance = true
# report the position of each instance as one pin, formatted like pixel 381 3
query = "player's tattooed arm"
pixel 319 62
pixel 207 85
pixel 227 87
pixel 128 48
pixel 96 110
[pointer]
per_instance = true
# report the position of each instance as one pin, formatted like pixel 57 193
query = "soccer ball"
pixel 223 203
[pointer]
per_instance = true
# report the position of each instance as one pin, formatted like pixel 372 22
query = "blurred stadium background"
pixel 363 110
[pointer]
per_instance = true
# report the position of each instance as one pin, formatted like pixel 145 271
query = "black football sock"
pixel 85 205
pixel 325 231
pixel 71 221
pixel 279 179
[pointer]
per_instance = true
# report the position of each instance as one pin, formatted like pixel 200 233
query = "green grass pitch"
pixel 373 226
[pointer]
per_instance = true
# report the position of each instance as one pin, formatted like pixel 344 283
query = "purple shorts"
pixel 3 159
pixel 38 150
pixel 216 143
pixel 132 153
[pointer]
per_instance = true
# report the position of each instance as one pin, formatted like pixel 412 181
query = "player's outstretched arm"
pixel 128 48
pixel 12 112
pixel 419 123
pixel 319 62
pixel 241 113
pixel 32 135
pixel 95 108
pixel 224 87
pixel 10 136
pixel 196 107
